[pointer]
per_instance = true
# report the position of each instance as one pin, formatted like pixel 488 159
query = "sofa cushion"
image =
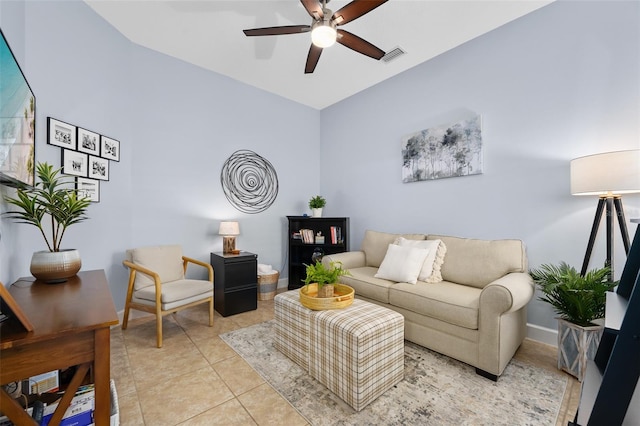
pixel 365 284
pixel 402 263
pixel 479 262
pixel 375 244
pixel 165 260
pixel 449 302
pixel 430 271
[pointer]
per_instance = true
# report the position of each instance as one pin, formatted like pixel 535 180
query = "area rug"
pixel 436 390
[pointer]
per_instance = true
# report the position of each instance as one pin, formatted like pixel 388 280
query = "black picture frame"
pixel 98 168
pixel 74 163
pixel 18 104
pixel 109 148
pixel 89 188
pixel 88 141
pixel 61 134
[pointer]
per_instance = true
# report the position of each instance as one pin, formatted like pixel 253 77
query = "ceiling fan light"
pixel 323 36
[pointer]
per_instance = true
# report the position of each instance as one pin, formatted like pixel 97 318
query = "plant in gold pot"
pixel 580 302
pixel 324 277
pixel 52 203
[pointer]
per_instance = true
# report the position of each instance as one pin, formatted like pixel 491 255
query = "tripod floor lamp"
pixel 608 175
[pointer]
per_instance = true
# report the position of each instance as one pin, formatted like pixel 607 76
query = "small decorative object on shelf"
pixel 319 238
pixel 316 204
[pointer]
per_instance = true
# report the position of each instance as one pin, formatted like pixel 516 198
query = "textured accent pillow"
pixel 432 266
pixel 402 264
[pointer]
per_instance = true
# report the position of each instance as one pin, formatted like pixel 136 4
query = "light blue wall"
pixel 176 123
pixel 557 84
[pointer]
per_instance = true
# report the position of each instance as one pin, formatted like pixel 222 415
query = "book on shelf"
pixel 307 236
pixel 336 234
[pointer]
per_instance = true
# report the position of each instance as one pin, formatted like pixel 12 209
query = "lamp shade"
pixel 229 228
pixel 607 173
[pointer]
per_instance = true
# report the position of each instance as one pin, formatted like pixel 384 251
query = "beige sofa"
pixel 476 314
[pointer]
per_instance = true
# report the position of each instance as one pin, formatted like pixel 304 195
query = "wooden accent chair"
pixel 157 284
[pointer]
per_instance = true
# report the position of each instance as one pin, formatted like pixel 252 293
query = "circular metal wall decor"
pixel 249 181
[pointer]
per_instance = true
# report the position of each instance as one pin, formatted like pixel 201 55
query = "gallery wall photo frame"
pixel 74 163
pixel 61 134
pixel 89 188
pixel 98 168
pixel 109 148
pixel 88 141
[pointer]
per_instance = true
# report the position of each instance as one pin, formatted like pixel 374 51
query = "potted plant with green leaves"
pixel 324 277
pixel 316 204
pixel 52 206
pixel 580 303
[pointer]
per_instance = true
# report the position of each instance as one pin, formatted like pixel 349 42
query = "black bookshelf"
pixel 335 231
pixel 611 378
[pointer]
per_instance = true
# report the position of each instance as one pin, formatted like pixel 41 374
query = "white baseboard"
pixel 283 283
pixel 542 334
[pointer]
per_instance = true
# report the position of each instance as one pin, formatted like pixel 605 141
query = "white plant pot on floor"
pixel 576 345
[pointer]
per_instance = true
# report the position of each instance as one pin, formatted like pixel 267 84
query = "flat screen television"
pixel 17 122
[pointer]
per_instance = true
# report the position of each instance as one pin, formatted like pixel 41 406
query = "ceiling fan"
pixel 323 29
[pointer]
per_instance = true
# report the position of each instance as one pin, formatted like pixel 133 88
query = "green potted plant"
pixel 324 277
pixel 316 204
pixel 580 303
pixel 52 203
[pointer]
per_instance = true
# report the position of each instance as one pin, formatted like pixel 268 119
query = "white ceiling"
pixel 208 33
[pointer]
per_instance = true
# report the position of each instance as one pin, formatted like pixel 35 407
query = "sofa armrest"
pixel 349 259
pixel 507 294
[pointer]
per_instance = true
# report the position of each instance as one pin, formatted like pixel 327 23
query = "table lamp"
pixel 229 230
pixel 607 175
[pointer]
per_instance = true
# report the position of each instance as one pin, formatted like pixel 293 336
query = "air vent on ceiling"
pixel 394 53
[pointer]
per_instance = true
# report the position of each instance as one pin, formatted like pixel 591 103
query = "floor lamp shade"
pixel 229 230
pixel 608 173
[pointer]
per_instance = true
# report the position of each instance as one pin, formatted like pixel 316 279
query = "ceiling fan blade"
pixel 287 29
pixel 312 58
pixel 354 10
pixel 314 8
pixel 358 44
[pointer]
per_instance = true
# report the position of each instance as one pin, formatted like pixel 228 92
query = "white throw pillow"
pixel 430 271
pixel 402 264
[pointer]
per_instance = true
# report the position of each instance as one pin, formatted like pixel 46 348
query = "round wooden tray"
pixel 343 297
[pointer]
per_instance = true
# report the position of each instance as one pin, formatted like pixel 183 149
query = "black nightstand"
pixel 235 282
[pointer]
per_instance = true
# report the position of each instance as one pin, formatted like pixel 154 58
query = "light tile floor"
pixel 196 379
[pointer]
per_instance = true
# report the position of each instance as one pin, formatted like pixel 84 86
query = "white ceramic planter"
pixel 316 212
pixel 55 266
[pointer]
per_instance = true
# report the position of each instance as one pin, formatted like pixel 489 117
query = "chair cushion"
pixel 375 245
pixel 480 262
pixel 175 291
pixel 165 260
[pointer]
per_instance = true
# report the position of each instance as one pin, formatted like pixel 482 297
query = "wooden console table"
pixel 70 328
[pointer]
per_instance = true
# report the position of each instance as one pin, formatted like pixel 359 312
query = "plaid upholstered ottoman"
pixel 356 352
pixel 292 328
